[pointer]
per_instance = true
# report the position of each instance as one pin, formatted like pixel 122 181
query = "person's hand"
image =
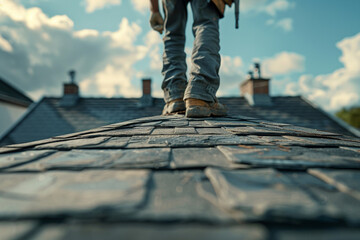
pixel 157 22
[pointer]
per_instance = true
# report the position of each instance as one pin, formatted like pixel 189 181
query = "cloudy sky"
pixel 307 47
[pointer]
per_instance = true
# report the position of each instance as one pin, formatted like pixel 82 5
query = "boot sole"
pixel 177 108
pixel 198 112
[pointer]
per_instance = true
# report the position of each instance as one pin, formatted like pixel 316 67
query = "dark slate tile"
pixel 209 118
pixel 19 158
pixel 173 197
pixel 346 138
pixel 140 121
pixel 315 233
pixel 185 130
pixel 198 157
pixel 149 124
pixel 72 193
pixel 268 123
pixel 32 144
pixel 179 140
pixel 78 134
pixel 308 131
pixel 163 131
pixel 75 143
pixel 276 140
pixel 175 123
pixel 346 181
pixel 144 142
pixel 15 230
pixel 328 142
pixel 122 132
pixel 74 159
pixel 210 131
pixel 341 206
pixel 242 117
pixel 231 140
pixel 9 150
pixel 114 143
pixel 198 124
pixel 140 231
pixel 356 150
pixel 286 157
pixel 263 131
pixel 230 123
pixel 265 195
pixel 193 141
pixel 143 158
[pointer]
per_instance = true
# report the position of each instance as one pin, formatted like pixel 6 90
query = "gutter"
pixel 342 123
pixel 32 107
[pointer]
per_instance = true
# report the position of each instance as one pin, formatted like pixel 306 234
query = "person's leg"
pixel 174 58
pixel 204 74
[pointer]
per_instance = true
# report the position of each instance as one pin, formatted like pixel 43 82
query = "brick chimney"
pixel 71 92
pixel 146 86
pixel 255 89
pixel 146 99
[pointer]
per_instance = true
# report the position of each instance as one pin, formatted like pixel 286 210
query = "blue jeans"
pixel 205 59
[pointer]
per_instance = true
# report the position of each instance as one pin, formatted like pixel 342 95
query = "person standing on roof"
pixel 197 97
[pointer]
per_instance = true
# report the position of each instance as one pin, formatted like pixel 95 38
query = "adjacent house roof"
pixel 49 118
pixel 12 95
pixel 178 178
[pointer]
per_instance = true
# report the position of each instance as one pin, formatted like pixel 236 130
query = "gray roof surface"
pixel 12 95
pixel 49 119
pixel 171 177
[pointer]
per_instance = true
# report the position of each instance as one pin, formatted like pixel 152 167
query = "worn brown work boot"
pixel 173 107
pixel 199 108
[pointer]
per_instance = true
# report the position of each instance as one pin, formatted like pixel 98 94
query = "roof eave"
pixel 343 124
pixel 31 108
pixel 12 100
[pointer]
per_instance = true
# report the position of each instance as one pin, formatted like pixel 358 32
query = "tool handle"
pixel 237 13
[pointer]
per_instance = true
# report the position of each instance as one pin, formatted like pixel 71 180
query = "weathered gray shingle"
pixel 49 118
pixel 230 177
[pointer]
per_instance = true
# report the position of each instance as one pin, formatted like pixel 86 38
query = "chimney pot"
pixel 257 70
pixel 72 74
pixel 71 92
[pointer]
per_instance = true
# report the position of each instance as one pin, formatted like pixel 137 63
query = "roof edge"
pixel 14 101
pixel 31 108
pixel 334 118
pixel 16 90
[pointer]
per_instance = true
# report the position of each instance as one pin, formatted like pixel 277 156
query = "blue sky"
pixel 307 47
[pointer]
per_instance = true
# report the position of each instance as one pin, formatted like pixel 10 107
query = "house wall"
pixel 9 113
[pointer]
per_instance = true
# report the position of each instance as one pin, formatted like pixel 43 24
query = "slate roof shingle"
pixel 49 118
pixel 173 177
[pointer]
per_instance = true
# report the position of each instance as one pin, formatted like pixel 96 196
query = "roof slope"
pixel 174 178
pixel 49 119
pixel 12 95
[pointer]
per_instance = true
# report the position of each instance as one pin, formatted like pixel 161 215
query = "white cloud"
pixel 153 42
pixel 93 5
pixel 338 89
pixel 264 6
pixel 283 63
pixel 5 45
pixel 44 48
pixel 231 75
pixel 286 24
pixel 141 5
pixel 277 6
